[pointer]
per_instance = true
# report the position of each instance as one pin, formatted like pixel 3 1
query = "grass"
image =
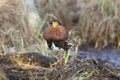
pixel 99 26
pixel 99 23
pixel 66 58
pixel 86 75
pixel 107 6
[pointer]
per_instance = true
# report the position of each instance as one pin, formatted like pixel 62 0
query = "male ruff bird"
pixel 56 34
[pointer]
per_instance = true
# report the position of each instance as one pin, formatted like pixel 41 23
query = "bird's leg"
pixel 49 44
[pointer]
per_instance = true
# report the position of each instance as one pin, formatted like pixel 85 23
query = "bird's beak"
pixel 55 24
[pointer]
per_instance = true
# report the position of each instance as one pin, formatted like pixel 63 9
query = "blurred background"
pixel 93 23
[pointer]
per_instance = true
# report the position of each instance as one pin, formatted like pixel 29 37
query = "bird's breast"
pixel 55 34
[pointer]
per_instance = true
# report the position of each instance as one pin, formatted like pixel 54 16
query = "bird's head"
pixel 55 23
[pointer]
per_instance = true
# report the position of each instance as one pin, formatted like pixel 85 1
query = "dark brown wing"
pixel 67 44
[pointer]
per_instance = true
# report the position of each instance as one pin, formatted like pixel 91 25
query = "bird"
pixel 56 34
